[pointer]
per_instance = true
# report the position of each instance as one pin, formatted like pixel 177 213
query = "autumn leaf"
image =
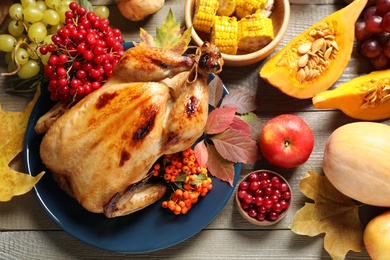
pixel 201 153
pixel 332 213
pixel 219 120
pixel 215 91
pixel 241 99
pixel 12 131
pixel 254 124
pixel 170 36
pixel 219 167
pixel 241 126
pixel 236 147
pixel 146 38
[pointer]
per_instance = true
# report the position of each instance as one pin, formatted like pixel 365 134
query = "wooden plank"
pixel 28 233
pixel 216 244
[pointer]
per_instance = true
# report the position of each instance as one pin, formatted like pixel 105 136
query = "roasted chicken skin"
pixel 101 149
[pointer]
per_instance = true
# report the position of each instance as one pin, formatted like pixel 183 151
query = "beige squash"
pixel 357 162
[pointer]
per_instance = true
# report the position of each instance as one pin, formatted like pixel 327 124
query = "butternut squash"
pixel 366 97
pixel 356 162
pixel 316 58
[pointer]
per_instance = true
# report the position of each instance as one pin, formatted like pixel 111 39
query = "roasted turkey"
pixel 101 149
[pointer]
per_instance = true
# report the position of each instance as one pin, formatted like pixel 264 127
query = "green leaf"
pixel 254 123
pixel 170 36
pixel 87 5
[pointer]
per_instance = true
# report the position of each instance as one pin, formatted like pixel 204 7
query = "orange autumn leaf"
pixel 12 131
pixel 332 213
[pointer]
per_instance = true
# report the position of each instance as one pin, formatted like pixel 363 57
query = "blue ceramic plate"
pixel 150 229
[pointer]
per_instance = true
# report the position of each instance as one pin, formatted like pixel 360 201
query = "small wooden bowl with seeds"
pixel 243 37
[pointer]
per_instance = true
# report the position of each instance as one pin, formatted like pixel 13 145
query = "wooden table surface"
pixel 26 232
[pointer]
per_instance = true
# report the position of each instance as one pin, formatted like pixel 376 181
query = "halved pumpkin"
pixel 365 97
pixel 316 58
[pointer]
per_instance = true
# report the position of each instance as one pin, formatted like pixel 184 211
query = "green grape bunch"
pixel 33 24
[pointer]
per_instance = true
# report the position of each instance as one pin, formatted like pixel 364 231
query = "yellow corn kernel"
pixel 248 7
pixel 226 7
pixel 204 16
pixel 224 34
pixel 254 32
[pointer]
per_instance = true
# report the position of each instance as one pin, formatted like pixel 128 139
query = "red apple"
pixel 286 141
pixel 377 237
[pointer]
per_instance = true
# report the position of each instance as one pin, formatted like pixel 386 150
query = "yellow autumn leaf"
pixel 12 130
pixel 332 213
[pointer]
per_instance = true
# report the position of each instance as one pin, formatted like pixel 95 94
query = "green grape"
pixel 8 57
pixel 47 39
pixel 11 66
pixel 45 58
pixel 61 12
pixel 15 28
pixel 41 5
pixel 37 32
pixel 102 11
pixel 33 51
pixel 21 56
pixel 27 3
pixel 7 42
pixel 16 11
pixel 51 17
pixel 67 2
pixel 32 14
pixel 54 28
pixel 21 37
pixel 53 4
pixel 29 70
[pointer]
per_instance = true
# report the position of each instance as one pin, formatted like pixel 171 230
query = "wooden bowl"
pixel 280 18
pixel 265 222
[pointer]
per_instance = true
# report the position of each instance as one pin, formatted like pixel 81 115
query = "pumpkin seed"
pixel 385 99
pixel 317 45
pixel 304 48
pixel 327 53
pixel 303 60
pixel 301 75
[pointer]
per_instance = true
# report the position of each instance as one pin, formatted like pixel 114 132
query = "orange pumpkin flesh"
pixel 351 97
pixel 285 79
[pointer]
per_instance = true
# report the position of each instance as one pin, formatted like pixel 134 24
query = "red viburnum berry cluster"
pixel 83 54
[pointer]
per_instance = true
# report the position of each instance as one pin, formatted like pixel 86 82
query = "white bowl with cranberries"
pixel 263 197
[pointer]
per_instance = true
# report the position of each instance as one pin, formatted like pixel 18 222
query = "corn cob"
pixel 267 9
pixel 254 32
pixel 226 7
pixel 248 7
pixel 224 34
pixel 204 15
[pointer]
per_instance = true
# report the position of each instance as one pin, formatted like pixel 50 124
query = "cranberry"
pixel 253 177
pixel 244 185
pixel 254 185
pixel 264 196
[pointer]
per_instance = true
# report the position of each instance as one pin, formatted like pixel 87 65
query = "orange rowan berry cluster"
pixel 188 180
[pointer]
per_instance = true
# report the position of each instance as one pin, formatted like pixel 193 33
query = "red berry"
pixel 81 11
pixel 62 58
pixel 81 74
pixel 53 60
pixel 73 6
pixel 43 50
pixel 263 196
